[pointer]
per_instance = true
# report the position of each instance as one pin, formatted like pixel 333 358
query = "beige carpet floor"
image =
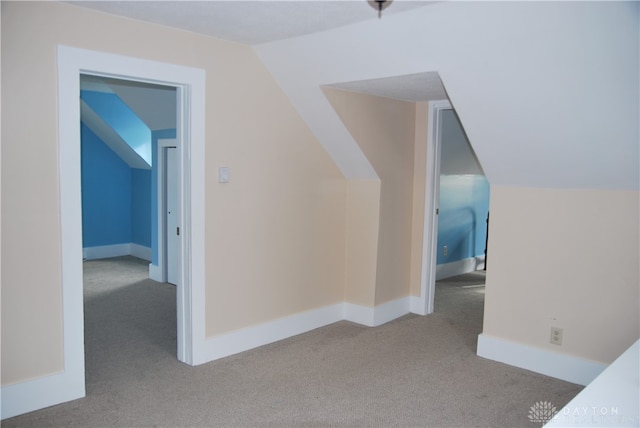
pixel 412 372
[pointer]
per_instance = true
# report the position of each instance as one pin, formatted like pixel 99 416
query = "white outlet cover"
pixel 223 174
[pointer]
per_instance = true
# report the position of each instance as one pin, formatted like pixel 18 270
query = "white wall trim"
pixel 447 270
pixel 378 315
pixel 105 251
pixel 190 90
pixel 391 310
pixel 416 305
pixel 161 147
pixel 39 393
pixel 190 84
pixel 155 273
pixel 69 384
pixel 269 332
pixel 549 363
pixel 140 251
pixel 117 250
pixel 431 197
pixel 283 328
pixel 359 314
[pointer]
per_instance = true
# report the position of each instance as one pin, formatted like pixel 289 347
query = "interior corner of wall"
pixel 361 240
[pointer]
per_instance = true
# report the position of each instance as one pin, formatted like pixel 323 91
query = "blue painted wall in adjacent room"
pixel 116 199
pixel 106 194
pixel 122 120
pixel 464 196
pixel 141 207
pixel 462 223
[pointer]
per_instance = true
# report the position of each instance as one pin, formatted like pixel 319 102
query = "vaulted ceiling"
pixel 135 109
pixel 527 79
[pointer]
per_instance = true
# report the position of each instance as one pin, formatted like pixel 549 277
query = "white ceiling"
pixel 258 22
pixel 251 22
pixel 154 104
pixel 413 87
pixel 255 23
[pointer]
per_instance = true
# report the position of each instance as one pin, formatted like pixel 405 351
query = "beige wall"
pixel 285 232
pixel 274 235
pixel 385 131
pixel 363 225
pixel 564 258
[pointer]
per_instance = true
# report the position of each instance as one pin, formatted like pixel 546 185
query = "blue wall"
pixel 141 207
pixel 122 120
pixel 116 199
pixel 462 222
pixel 106 193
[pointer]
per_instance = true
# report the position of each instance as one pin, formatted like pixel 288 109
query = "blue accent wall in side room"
pixel 155 136
pixel 462 222
pixel 141 207
pixel 106 193
pixel 122 119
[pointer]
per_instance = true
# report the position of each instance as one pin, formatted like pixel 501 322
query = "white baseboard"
pixel 381 314
pixel 416 305
pixel 116 250
pixel 561 366
pixel 36 394
pixel 140 251
pixel 273 331
pixel 105 251
pixel 155 273
pixel 269 332
pixel 39 393
pixel 447 270
pixel 33 395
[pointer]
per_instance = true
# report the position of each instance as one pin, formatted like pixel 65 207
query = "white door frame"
pixel 162 145
pixel 190 84
pixel 431 205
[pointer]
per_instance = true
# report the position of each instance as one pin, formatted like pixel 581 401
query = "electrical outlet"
pixel 556 336
pixel 445 250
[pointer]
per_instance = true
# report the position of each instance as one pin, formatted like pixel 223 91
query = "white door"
pixel 172 232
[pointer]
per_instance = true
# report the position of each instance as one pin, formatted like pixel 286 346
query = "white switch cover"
pixel 223 174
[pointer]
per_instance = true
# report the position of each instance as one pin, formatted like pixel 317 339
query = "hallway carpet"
pixel 413 372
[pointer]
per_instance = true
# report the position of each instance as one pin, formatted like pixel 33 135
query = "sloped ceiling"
pixel 111 138
pixel 425 86
pixel 547 91
pixel 155 105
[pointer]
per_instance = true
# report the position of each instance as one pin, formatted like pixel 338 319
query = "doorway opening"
pixel 120 124
pixel 189 84
pixel 456 208
pixel 126 169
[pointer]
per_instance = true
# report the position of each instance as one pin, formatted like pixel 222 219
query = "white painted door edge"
pixel 430 231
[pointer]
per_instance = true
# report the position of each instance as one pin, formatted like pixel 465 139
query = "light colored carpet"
pixel 412 372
